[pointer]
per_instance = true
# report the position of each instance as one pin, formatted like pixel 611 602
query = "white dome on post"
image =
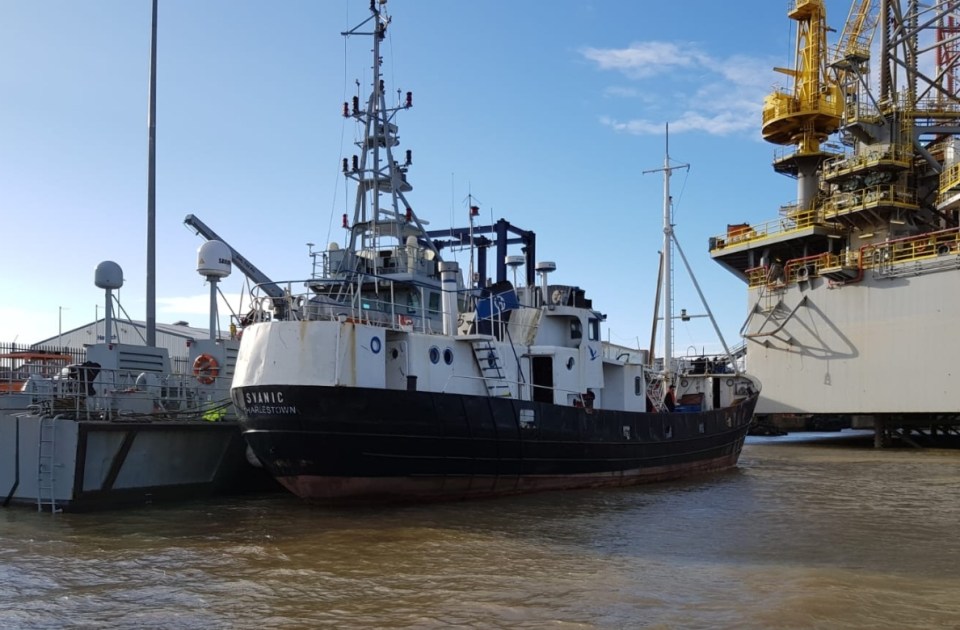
pixel 108 276
pixel 544 268
pixel 214 260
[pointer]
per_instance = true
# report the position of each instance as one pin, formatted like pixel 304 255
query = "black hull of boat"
pixel 345 444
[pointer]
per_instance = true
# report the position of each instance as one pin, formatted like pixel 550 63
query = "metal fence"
pixel 19 361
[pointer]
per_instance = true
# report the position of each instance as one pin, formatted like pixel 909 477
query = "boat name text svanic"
pixel 266 403
pixel 263 397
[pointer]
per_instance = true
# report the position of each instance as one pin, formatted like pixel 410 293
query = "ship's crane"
pixel 245 266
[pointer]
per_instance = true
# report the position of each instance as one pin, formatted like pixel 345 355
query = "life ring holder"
pixel 206 369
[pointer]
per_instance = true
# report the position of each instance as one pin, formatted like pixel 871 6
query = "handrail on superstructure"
pixel 380 308
pixel 792 220
pixel 869 256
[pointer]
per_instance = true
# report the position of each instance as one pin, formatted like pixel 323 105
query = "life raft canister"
pixel 206 369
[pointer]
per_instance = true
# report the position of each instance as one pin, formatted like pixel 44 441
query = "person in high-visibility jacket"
pixel 215 414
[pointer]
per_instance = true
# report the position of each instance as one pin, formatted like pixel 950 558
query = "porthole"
pixel 434 355
pixel 684 382
pixel 375 345
pixel 448 356
pixel 729 382
pixel 394 353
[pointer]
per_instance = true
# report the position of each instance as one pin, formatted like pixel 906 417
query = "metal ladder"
pixel 491 368
pixel 46 465
pixel 769 298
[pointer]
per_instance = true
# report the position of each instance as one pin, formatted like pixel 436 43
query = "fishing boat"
pixel 390 378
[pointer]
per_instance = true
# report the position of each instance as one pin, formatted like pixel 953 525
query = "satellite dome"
pixel 214 260
pixel 108 275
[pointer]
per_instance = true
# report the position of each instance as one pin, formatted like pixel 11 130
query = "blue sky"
pixel 547 112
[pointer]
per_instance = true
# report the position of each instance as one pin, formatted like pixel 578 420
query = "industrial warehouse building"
pixel 173 337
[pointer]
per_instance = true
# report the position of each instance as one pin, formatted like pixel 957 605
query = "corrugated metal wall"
pixel 132 333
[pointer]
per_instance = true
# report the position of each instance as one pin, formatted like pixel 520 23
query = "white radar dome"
pixel 108 275
pixel 515 261
pixel 214 260
pixel 546 266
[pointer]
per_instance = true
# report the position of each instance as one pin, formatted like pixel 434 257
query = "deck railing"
pixel 871 256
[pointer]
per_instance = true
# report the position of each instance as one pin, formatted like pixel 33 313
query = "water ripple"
pixel 802 535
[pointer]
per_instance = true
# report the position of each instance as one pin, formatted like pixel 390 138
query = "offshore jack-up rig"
pixel 854 289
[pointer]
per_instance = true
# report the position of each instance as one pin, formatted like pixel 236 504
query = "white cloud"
pixel 701 93
pixel 622 92
pixel 646 59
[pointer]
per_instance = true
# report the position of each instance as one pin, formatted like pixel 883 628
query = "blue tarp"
pixel 497 304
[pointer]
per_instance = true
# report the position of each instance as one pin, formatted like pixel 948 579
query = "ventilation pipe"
pixel 448 284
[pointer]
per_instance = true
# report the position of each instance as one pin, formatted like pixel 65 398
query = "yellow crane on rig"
pixel 811 111
pixel 822 82
pixel 851 57
pixel 824 93
pixel 857 35
pixel 806 115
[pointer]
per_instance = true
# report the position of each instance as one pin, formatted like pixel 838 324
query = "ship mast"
pixel 375 170
pixel 666 258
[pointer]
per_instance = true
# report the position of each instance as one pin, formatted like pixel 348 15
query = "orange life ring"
pixel 206 369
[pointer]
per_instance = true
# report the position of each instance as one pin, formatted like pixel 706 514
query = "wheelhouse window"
pixel 576 329
pixel 413 302
pixel 593 330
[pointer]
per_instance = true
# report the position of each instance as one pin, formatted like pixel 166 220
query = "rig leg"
pixel 878 432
